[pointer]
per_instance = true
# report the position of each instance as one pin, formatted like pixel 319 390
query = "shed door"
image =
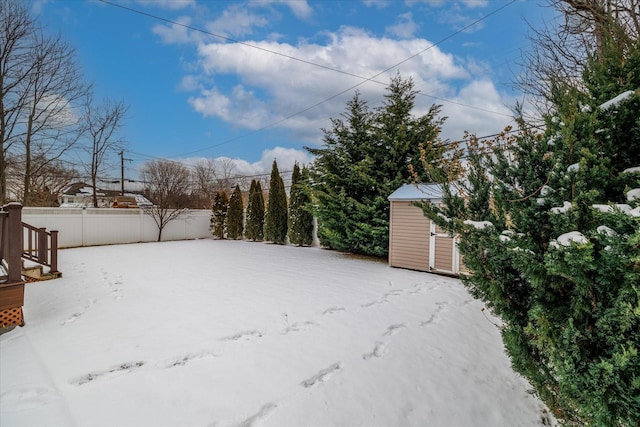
pixel 443 254
pixel 409 237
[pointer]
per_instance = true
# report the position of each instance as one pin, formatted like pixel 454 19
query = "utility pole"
pixel 122 159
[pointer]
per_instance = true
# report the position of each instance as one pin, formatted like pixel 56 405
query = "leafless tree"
pixel 206 183
pixel 225 176
pixel 40 86
pixel 16 30
pixel 47 184
pixel 102 123
pixel 55 86
pixel 559 52
pixel 167 185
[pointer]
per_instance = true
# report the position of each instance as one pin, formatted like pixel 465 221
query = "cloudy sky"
pixel 257 80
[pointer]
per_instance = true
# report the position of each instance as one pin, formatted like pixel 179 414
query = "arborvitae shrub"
pixel 254 229
pixel 300 209
pixel 275 226
pixel 235 213
pixel 219 214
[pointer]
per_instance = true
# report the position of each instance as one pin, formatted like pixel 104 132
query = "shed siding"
pixel 443 259
pixel 409 237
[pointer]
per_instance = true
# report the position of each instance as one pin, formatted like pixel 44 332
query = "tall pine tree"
pixel 255 213
pixel 300 214
pixel 366 156
pixel 275 224
pixel 219 214
pixel 234 220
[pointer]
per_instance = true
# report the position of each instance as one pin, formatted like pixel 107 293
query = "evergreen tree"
pixel 559 262
pixel 234 219
pixel 255 213
pixel 219 214
pixel 275 224
pixel 366 156
pixel 300 214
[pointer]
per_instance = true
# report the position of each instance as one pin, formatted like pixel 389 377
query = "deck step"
pixel 36 273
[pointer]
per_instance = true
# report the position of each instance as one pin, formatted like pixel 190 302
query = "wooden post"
pixel 42 245
pixel 54 251
pixel 14 241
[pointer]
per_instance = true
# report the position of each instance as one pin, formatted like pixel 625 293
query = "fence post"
pixel 54 251
pixel 14 241
pixel 42 245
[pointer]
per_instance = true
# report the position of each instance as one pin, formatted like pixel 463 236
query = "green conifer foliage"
pixel 255 213
pixel 219 214
pixel 560 263
pixel 300 209
pixel 365 157
pixel 275 224
pixel 235 213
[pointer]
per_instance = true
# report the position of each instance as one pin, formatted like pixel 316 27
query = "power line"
pixel 364 79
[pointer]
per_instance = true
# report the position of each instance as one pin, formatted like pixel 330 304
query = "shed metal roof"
pixel 417 192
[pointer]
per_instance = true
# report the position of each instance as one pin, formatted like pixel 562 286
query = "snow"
pixel 632 170
pixel 565 208
pixel 607 231
pixel 567 239
pixel 480 225
pixel 546 190
pixel 617 100
pixel 611 208
pixel 228 333
pixel 574 167
pixel 635 212
pixel 633 194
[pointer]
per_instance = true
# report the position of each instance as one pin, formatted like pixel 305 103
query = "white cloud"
pixel 475 3
pixel 404 27
pixel 380 4
pixel 38 6
pixel 274 87
pixel 175 33
pixel 168 4
pixel 285 157
pixel 236 20
pixel 481 121
pixel 300 8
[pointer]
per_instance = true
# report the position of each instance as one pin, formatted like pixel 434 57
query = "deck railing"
pixel 41 246
pixel 11 243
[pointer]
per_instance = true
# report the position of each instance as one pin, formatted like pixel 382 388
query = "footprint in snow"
pixel 375 302
pixel 183 360
pixel 394 292
pixel 246 335
pixel 394 329
pixel 71 318
pixel 264 412
pixel 333 310
pixel 435 318
pixel 75 316
pixel 378 351
pixel 322 375
pixel 119 369
pixel 299 327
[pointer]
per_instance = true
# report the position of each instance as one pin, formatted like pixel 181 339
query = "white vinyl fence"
pixel 91 226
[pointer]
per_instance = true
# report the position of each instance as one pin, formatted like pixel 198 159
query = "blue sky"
pixel 232 90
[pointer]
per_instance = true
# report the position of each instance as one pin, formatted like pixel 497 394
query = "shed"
pixel 416 242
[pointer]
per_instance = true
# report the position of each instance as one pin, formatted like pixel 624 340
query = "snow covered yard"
pixel 232 333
